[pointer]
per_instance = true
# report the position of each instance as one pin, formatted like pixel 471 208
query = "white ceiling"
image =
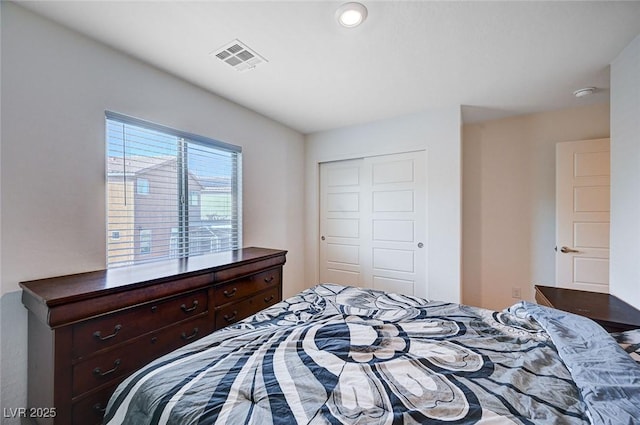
pixel 494 58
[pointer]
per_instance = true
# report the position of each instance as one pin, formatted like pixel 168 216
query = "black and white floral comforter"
pixel 630 342
pixel 343 355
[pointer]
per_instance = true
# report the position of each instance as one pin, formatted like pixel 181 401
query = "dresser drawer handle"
pixel 231 293
pixel 268 279
pixel 267 299
pixel 98 372
pixel 190 309
pixel 99 409
pixel 193 335
pixel 230 318
pixel 98 334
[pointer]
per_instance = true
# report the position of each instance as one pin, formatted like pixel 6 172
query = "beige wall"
pixel 437 132
pixel 509 200
pixel 625 174
pixel 56 86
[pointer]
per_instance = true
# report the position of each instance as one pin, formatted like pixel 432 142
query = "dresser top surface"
pixel 602 307
pixel 58 289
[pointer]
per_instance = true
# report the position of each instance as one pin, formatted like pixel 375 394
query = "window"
pixel 142 186
pixel 145 241
pixel 194 206
pixel 194 198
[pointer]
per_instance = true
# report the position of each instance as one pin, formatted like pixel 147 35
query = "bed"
pixel 343 355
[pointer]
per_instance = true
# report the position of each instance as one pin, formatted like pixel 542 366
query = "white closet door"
pixel 373 222
pixel 396 218
pixel 340 222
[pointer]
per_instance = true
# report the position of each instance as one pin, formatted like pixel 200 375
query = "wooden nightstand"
pixel 610 312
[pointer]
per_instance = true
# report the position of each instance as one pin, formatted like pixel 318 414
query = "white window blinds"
pixel 170 194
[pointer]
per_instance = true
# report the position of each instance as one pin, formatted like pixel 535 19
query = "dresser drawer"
pixel 90 410
pixel 121 361
pixel 241 288
pixel 233 312
pixel 237 272
pixel 115 328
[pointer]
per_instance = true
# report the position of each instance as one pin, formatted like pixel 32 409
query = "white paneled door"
pixel 582 215
pixel 373 222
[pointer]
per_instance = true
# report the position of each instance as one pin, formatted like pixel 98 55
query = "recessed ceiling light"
pixel 586 91
pixel 351 14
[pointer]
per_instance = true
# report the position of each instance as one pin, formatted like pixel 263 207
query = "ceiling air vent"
pixel 239 56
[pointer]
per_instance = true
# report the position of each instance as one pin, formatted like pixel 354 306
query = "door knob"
pixel 322 237
pixel 566 250
pixel 420 244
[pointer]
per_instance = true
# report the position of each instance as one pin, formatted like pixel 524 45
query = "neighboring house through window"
pixel 170 194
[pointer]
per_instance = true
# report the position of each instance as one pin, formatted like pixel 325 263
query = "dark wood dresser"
pixel 89 331
pixel 610 312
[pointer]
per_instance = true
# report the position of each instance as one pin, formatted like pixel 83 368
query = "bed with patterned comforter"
pixel 342 355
